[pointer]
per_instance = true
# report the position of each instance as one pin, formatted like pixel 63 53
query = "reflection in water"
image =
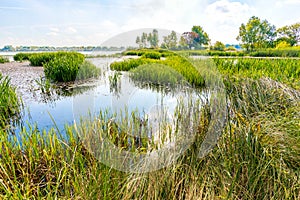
pixel 67 104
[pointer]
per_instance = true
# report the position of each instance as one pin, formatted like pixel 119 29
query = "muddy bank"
pixel 23 77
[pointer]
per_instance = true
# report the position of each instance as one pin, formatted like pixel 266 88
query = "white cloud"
pixel 223 19
pixel 71 30
pixel 287 2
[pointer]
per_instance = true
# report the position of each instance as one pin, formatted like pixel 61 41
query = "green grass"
pixel 3 59
pixel 10 104
pixel 180 64
pixel 282 52
pixel 157 74
pixel 61 66
pixel 286 71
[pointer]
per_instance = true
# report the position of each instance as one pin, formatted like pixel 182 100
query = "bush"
pixel 3 59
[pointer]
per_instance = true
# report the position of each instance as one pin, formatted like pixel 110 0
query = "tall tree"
pixel 144 39
pixel 170 41
pixel 202 38
pixel 153 38
pixel 138 41
pixel 257 34
pixel 289 34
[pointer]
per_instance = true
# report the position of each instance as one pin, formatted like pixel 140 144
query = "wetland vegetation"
pixel 257 155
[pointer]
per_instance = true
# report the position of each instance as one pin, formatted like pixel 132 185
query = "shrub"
pixel 3 59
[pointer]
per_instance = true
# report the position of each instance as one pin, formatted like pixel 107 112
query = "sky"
pixel 92 22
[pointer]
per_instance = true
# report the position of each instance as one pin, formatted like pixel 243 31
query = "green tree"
pixel 183 43
pixel 144 40
pixel 153 38
pixel 202 38
pixel 219 46
pixel 138 41
pixel 289 34
pixel 170 41
pixel 257 34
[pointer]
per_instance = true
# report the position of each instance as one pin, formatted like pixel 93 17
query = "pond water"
pixel 88 99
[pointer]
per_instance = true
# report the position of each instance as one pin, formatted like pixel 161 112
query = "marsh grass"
pixel 3 59
pixel 10 104
pixel 157 74
pixel 285 71
pixel 180 64
pixel 257 156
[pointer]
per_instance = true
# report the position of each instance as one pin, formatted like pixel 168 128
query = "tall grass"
pixel 3 59
pixel 257 157
pixel 180 64
pixel 282 70
pixel 10 104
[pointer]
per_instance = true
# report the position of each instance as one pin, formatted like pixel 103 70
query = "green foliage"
pixel 157 74
pixel 282 52
pixel 64 67
pixel 87 70
pixel 20 57
pixel 282 44
pixel 152 55
pixel 219 46
pixel 39 59
pixel 10 105
pixel 290 34
pixel 286 71
pixel 257 157
pixel 170 41
pixel 257 34
pixel 179 64
pixel 202 36
pixel 3 59
pixel 226 53
pixel 129 64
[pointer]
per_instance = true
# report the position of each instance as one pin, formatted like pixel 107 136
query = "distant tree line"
pixel 255 34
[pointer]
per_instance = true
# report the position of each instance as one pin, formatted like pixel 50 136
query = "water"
pixel 90 98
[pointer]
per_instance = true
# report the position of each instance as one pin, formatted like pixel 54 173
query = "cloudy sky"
pixel 91 22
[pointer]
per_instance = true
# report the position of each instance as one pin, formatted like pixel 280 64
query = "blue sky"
pixel 91 22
